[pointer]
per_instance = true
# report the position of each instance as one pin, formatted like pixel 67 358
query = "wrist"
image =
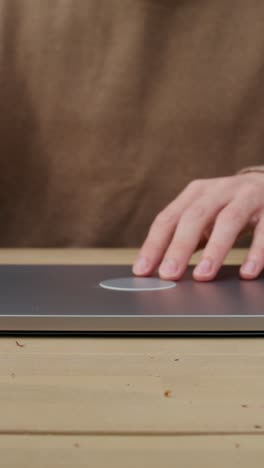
pixel 250 169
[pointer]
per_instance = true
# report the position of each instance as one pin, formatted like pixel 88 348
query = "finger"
pixel 228 225
pixel 254 262
pixel 162 229
pixel 188 235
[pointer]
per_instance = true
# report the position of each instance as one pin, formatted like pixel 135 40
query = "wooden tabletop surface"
pixel 82 402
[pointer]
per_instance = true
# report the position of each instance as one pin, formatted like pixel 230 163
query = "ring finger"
pixel 228 225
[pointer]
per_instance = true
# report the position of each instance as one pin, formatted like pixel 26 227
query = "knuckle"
pixel 196 184
pixel 225 180
pixel 197 212
pixel 151 245
pixel 257 251
pixel 249 186
pixel 231 216
pixel 214 247
pixel 179 246
pixel 250 191
pixel 163 218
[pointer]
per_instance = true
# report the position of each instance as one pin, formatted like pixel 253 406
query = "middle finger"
pixel 188 235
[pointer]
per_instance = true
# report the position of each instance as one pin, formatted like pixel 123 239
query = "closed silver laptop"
pixel 75 299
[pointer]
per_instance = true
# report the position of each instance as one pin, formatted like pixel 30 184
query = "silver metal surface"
pixel 133 283
pixel 68 298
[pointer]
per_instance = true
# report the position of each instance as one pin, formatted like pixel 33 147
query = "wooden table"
pixel 81 402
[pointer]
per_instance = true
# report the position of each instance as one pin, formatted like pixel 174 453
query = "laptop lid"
pixel 73 299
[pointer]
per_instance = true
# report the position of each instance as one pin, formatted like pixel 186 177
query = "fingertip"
pixel 249 270
pixel 140 274
pixel 247 276
pixel 202 277
pixel 142 266
pixel 175 277
pixel 205 270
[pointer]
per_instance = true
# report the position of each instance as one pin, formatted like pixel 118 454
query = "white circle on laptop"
pixel 134 283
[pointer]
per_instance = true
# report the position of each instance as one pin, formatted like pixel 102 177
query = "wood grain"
pixel 116 402
pixel 130 452
pixel 118 385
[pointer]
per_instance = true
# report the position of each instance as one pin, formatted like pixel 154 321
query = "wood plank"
pixel 117 386
pixel 130 346
pixel 114 386
pixel 88 256
pixel 67 256
pixel 129 452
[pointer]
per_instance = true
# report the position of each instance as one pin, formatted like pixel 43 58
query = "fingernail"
pixel 169 267
pixel 205 267
pixel 141 266
pixel 250 267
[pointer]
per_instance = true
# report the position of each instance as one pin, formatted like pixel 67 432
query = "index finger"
pixel 162 230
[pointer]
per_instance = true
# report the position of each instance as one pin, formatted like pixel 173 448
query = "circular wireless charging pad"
pixel 136 284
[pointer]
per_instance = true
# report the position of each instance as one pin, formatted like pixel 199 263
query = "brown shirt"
pixel 110 107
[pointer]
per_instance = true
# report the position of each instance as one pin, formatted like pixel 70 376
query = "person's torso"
pixel 110 107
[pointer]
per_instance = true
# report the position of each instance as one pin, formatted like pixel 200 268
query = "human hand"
pixel 217 209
